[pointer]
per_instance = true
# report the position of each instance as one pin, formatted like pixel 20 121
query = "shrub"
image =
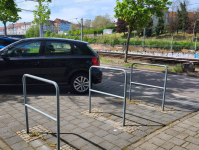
pixel 115 41
pixel 105 41
pixel 178 68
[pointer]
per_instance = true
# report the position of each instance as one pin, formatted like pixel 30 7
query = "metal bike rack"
pixel 125 84
pixel 136 83
pixel 26 105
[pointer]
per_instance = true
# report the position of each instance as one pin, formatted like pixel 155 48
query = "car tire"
pixel 80 83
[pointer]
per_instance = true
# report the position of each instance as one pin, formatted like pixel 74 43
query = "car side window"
pixel 82 50
pixel 30 48
pixel 56 48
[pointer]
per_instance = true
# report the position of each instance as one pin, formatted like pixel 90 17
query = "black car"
pixel 64 61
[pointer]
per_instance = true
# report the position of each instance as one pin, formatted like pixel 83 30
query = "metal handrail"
pixel 165 81
pixel 92 90
pixel 26 105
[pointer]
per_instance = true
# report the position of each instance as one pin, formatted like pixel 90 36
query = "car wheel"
pixel 80 83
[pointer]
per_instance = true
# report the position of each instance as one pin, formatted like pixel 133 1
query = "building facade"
pixel 48 26
pixel 64 25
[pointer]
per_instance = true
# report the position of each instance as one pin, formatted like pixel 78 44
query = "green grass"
pixel 34 50
pixel 106 61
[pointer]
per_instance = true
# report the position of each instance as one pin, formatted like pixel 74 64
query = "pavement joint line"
pixel 38 132
pixel 160 130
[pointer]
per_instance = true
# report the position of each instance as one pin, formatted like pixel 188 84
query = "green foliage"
pixel 149 28
pixel 85 38
pixel 48 33
pixel 86 31
pixel 92 40
pixel 42 13
pixel 33 31
pixel 105 41
pixel 114 41
pixel 178 68
pixel 8 12
pixel 160 26
pixel 137 14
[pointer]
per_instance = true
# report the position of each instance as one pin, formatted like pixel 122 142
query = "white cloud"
pixel 88 9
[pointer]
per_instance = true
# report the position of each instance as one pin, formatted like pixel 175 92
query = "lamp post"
pixel 25 27
pixel 194 27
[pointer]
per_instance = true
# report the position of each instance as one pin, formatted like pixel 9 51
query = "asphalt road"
pixel 177 84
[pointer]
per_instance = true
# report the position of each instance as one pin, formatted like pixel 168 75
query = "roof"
pixel 61 21
pixel 9 26
pixel 1 28
pixel 49 38
pixel 190 14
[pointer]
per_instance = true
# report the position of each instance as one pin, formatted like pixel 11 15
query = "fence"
pixel 136 83
pixel 125 84
pixel 28 106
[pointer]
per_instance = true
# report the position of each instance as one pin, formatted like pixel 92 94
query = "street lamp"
pixel 25 27
pixel 194 27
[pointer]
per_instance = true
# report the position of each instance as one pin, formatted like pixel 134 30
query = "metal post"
pixel 172 43
pixel 125 85
pixel 58 119
pixel 57 98
pixel 141 84
pixel 97 30
pixel 130 83
pixel 195 44
pixel 40 26
pixel 13 28
pixel 25 27
pixel 165 83
pixel 25 102
pixel 124 103
pixel 90 90
pixel 193 30
pixel 144 39
pixel 81 29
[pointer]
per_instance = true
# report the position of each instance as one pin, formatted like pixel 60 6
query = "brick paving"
pixel 81 131
pixel 182 134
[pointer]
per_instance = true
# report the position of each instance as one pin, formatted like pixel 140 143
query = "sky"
pixel 71 9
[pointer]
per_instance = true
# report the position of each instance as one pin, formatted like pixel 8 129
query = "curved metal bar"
pixel 26 105
pixel 125 85
pixel 165 81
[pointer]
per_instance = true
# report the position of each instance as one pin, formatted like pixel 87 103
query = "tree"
pixel 149 28
pixel 160 26
pixel 33 31
pixel 137 13
pixel 101 21
pixel 42 13
pixel 48 32
pixel 8 12
pixel 184 16
pixel 179 20
pixel 121 26
pixel 87 24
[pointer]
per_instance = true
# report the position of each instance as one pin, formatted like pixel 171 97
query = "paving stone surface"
pixel 103 129
pixel 177 141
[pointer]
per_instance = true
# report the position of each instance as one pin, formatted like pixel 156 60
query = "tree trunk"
pixel 127 45
pixel 5 32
